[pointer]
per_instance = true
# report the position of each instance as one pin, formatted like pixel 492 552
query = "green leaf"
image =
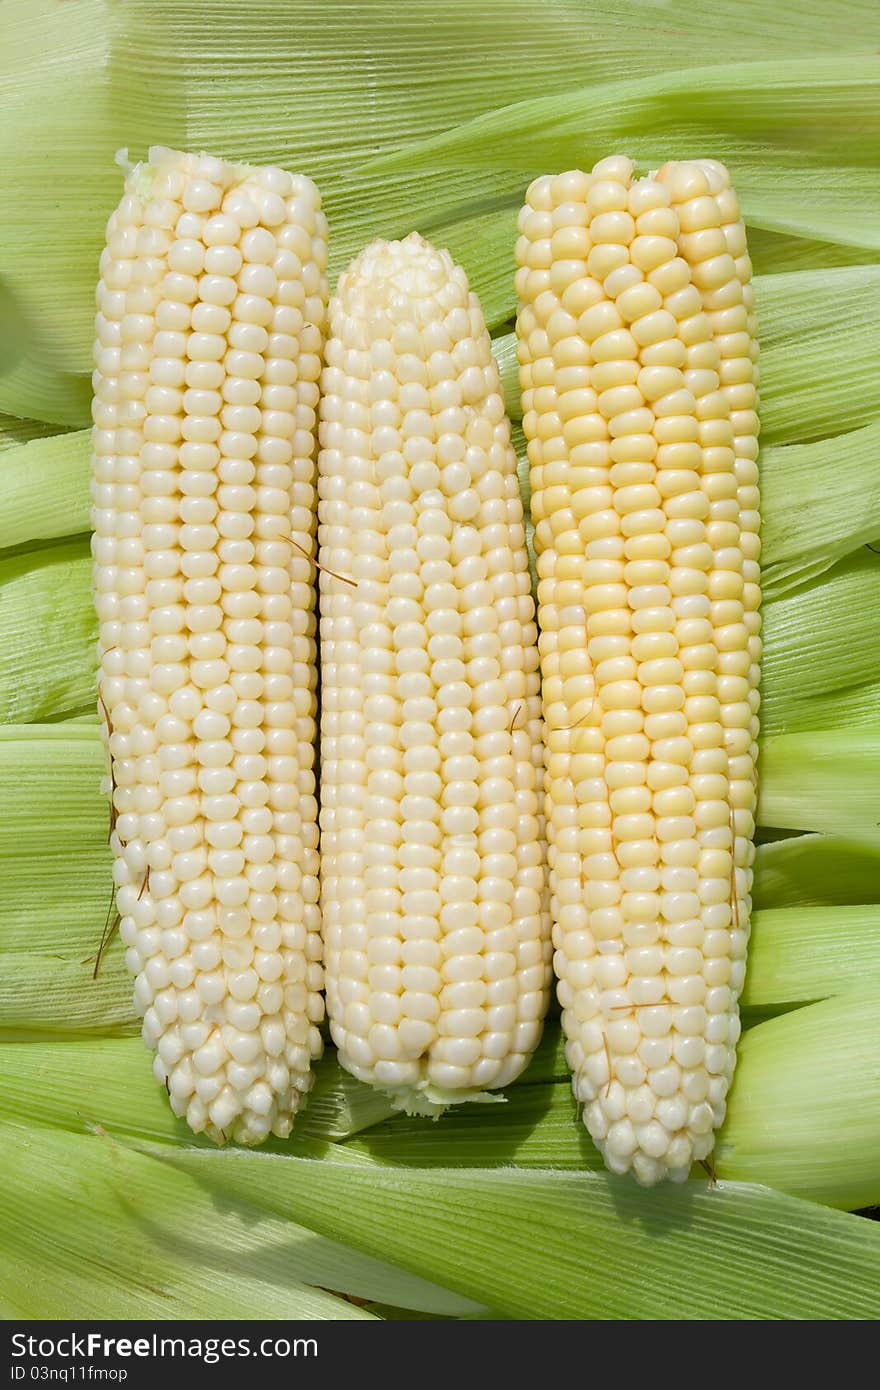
pixel 43 994
pixel 800 954
pixel 47 633
pixel 44 489
pixel 113 1234
pixel 576 1245
pixel 828 782
pixel 538 1126
pixel 820 372
pixel 117 1235
pixel 751 115
pixel 50 242
pixel 773 252
pixel 55 887
pixel 14 431
pixel 820 668
pixel 815 870
pixel 805 1111
pixel 819 502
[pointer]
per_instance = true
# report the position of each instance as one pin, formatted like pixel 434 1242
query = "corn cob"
pixel 211 307
pixel 437 950
pixel 637 351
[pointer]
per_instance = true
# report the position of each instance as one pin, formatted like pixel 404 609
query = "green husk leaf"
pixel 805 1112
pixel 14 431
pixel 117 1235
pixel 829 782
pixel 750 115
pixel 773 252
pixel 339 1105
pixel 47 633
pixel 553 129
pixel 576 1245
pixel 31 382
pixel 55 888
pixel 43 995
pixel 803 954
pixel 540 1127
pixel 820 372
pixel 819 502
pixel 817 870
pixel 504 352
pixel 113 1234
pixel 820 666
pixel 50 243
pixel 44 489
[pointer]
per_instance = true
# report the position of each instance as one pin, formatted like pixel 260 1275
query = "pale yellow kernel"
pixel 649 252
pixel 638 301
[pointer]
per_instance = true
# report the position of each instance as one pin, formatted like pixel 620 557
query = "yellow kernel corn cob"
pixel 437 950
pixel 211 309
pixel 636 342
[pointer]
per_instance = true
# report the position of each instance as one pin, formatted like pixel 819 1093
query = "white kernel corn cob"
pixel 437 949
pixel 637 350
pixel 211 310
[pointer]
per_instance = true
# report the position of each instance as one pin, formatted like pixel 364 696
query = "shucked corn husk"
pixel 372 1206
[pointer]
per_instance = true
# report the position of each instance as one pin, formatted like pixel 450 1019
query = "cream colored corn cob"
pixel 637 351
pixel 437 950
pixel 211 308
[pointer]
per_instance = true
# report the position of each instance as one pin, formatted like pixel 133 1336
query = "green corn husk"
pixel 499 1212
pixel 820 651
pixel 770 1255
pixel 14 431
pixel 138 1240
pixel 819 372
pixel 828 782
pixel 818 871
pixel 802 954
pixel 179 1254
pixel 807 1092
pixel 48 632
pixel 822 502
pixel 44 489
